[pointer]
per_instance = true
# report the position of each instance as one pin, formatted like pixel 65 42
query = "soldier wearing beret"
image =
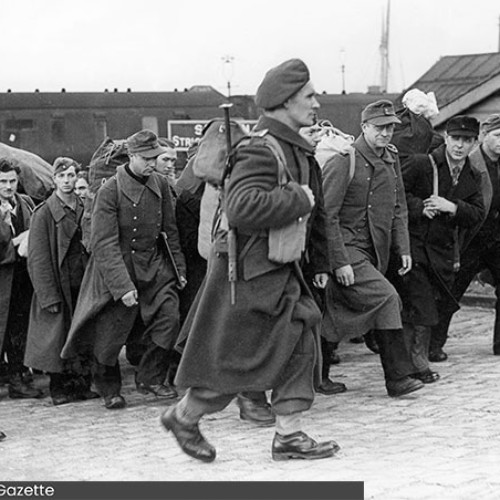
pixel 56 263
pixel 15 283
pixel 366 219
pixel 444 201
pixel 482 250
pixel 265 340
pixel 130 283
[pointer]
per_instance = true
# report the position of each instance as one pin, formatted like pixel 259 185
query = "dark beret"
pixel 281 83
pixel 380 113
pixel 463 125
pixel 492 122
pixel 145 143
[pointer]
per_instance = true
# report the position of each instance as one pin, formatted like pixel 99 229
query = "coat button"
pixel 135 217
pixel 135 229
pixel 134 204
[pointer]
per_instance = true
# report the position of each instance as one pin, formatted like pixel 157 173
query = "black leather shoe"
pixel 427 376
pixel 18 389
pixel 437 355
pixel 328 387
pixel 159 390
pixel 84 395
pixel 189 437
pixel 2 436
pixel 371 343
pixel 116 402
pixel 257 412
pixel 62 399
pixel 300 445
pixel 396 388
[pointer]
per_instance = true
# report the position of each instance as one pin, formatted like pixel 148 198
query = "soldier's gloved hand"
pixel 130 298
pixel 54 308
pixel 345 275
pixel 309 193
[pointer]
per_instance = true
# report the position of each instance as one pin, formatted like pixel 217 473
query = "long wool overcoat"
pixel 367 219
pixel 51 233
pixel 246 346
pixel 127 254
pixel 433 240
pixel 7 258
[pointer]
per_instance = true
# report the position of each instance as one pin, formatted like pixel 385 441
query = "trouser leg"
pixel 153 366
pixel 394 354
pixel 294 391
pixel 60 384
pixel 496 328
pixel 257 397
pixel 107 379
pixel 198 402
pixel 420 348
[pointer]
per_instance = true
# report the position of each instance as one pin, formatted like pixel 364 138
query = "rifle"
pixel 232 242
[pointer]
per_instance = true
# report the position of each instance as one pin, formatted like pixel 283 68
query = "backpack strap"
pixel 435 185
pixel 352 163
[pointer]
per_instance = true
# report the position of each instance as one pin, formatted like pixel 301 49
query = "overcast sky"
pixel 90 45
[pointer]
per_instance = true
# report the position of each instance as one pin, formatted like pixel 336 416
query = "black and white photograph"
pixel 250 250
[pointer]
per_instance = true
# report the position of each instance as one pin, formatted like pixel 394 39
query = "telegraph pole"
pixel 384 50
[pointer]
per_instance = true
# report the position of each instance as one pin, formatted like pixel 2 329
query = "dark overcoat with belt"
pixel 126 255
pixel 246 346
pixel 434 242
pixel 8 256
pixel 51 233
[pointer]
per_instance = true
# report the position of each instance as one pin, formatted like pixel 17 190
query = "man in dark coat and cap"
pixel 265 340
pixel 366 219
pixel 444 200
pixel 130 283
pixel 482 250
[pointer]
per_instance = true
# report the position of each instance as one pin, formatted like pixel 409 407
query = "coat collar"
pixel 133 189
pixel 283 132
pixel 56 207
pixel 362 146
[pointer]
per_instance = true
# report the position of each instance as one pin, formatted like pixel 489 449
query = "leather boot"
pixel 396 363
pixel 327 386
pixel 2 436
pixel 300 445
pixel 188 436
pixel 371 343
pixel 18 389
pixel 255 408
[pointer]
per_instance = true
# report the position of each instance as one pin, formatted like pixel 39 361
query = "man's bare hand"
pixel 345 275
pixel 130 298
pixel 320 280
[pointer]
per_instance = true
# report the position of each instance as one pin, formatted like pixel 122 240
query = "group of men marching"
pixel 388 251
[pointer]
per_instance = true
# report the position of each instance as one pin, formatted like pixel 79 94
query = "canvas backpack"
pixel 108 156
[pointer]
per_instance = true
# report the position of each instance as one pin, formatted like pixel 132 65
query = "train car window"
pixel 18 124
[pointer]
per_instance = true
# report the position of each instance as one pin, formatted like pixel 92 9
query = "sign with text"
pixel 184 133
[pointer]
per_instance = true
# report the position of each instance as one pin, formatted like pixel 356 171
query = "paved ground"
pixel 441 443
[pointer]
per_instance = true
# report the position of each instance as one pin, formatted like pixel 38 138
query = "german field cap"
pixel 492 122
pixel 63 163
pixel 281 83
pixel 144 143
pixel 466 126
pixel 380 113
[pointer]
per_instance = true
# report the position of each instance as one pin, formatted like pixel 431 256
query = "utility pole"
pixel 384 50
pixel 228 71
pixel 342 68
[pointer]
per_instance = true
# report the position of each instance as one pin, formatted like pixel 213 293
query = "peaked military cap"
pixel 145 142
pixel 492 122
pixel 380 113
pixel 281 83
pixel 463 125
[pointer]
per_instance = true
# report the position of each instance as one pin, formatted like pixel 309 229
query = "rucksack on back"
pixel 108 156
pixel 211 158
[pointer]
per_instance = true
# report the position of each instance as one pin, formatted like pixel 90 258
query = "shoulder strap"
pixel 284 174
pixel 352 163
pixel 435 186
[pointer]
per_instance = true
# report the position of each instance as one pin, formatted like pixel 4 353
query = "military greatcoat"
pixel 127 254
pixel 257 342
pixel 366 218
